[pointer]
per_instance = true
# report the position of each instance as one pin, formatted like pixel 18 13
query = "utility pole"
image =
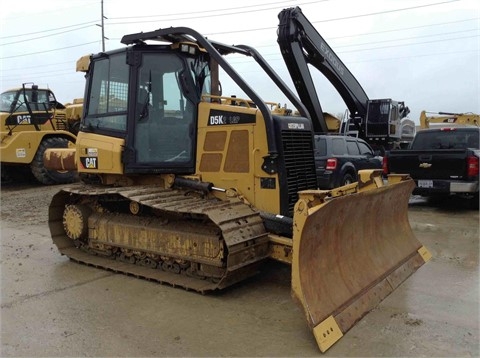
pixel 103 27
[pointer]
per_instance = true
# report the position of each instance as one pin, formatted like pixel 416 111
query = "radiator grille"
pixel 299 164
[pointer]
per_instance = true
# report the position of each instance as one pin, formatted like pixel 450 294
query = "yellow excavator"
pixel 448 118
pixel 185 186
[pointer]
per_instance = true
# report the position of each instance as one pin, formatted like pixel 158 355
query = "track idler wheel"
pixel 75 221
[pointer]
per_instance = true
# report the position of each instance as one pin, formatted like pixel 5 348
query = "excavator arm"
pixel 301 45
pixel 378 121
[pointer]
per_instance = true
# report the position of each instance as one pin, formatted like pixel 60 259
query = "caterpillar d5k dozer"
pixel 31 121
pixel 184 186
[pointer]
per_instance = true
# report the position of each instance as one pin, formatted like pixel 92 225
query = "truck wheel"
pixel 44 175
pixel 347 179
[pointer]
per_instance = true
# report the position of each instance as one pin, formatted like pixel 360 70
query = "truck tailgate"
pixel 438 163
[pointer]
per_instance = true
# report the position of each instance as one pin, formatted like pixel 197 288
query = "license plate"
pixel 425 183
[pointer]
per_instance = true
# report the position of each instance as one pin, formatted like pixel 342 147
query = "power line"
pixel 43 73
pixel 406 28
pixel 94 22
pixel 41 37
pixel 56 49
pixel 403 9
pixel 410 38
pixel 276 3
pixel 275 56
pixel 410 44
pixel 58 28
pixel 396 45
pixel 389 40
pixel 388 11
pixel 217 10
pixel 36 66
pixel 336 19
pixel 340 37
pixel 228 9
pixel 415 56
pixel 195 16
pixel 83 5
pixel 367 43
pixel 456 53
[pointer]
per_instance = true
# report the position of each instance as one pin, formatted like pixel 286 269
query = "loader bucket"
pixel 349 253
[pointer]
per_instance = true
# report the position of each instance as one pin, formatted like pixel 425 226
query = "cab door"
pixel 162 118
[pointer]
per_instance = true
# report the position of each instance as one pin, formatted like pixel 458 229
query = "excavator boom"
pixel 378 121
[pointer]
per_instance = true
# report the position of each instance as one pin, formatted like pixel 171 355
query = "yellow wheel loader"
pixel 185 186
pixel 32 121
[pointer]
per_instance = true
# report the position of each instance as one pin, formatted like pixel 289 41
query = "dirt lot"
pixel 53 307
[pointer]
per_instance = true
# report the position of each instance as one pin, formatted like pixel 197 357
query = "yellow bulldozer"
pixel 31 121
pixel 185 186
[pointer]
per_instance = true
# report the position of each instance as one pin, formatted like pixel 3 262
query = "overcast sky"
pixel 423 52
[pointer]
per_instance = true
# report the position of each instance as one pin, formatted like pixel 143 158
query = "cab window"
pixel 364 149
pixel 108 98
pixel 352 147
pixel 164 115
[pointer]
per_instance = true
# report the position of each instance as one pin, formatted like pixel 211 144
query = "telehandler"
pixel 188 187
pixel 31 121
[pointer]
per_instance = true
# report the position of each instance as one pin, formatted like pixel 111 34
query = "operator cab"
pixel 153 93
pixel 383 119
pixel 28 106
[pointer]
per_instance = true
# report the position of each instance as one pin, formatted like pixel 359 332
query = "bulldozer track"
pixel 162 277
pixel 238 225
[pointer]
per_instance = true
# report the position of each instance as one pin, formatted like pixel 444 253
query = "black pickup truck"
pixel 442 161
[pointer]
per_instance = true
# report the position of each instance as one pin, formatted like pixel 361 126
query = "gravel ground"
pixel 53 307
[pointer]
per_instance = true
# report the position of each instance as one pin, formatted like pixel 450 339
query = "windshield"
pixel 38 100
pixel 6 101
pixel 458 139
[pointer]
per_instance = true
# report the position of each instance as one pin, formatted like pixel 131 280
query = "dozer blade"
pixel 349 253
